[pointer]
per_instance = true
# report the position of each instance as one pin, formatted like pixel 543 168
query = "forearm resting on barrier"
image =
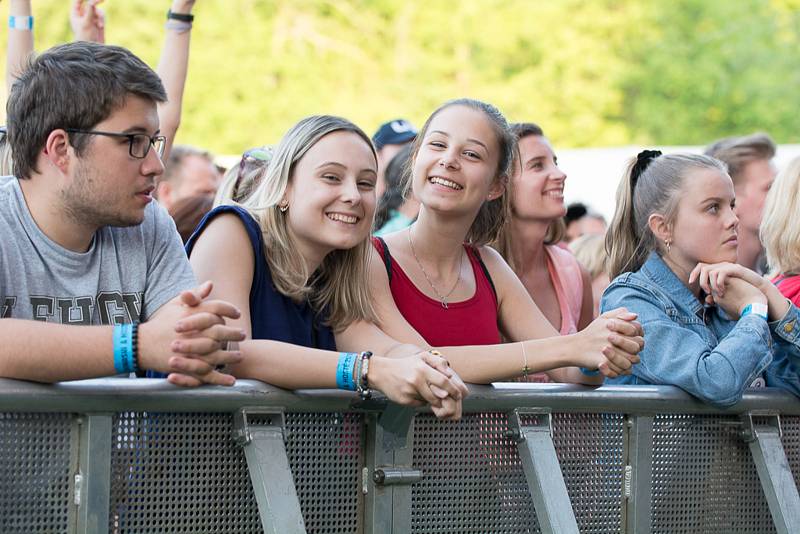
pixel 47 352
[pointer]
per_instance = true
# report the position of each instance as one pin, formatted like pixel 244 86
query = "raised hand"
pixel 88 21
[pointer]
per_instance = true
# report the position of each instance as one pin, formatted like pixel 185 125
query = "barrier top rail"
pixel 122 394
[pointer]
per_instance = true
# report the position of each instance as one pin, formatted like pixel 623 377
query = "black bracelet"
pixel 135 345
pixel 183 17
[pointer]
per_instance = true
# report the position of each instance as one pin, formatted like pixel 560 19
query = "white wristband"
pixel 20 23
pixel 756 308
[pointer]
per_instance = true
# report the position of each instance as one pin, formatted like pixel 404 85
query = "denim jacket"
pixel 697 347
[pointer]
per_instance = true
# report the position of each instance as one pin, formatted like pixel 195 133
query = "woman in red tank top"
pixel 437 284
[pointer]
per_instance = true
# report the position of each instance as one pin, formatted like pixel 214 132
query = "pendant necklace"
pixel 442 298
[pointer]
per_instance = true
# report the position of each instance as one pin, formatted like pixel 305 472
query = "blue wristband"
pixel 589 372
pixel 20 23
pixel 124 360
pixel 344 371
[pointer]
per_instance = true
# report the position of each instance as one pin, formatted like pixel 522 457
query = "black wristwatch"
pixel 183 17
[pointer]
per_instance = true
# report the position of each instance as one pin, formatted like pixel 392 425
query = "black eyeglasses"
pixel 138 144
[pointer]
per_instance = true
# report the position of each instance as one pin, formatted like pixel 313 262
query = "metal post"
pixel 388 475
pixel 773 469
pixel 543 471
pixel 270 473
pixel 93 478
pixel 638 477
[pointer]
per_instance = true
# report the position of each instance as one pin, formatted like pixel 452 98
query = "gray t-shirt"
pixel 127 274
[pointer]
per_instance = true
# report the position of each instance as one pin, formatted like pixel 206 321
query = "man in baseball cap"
pixel 388 140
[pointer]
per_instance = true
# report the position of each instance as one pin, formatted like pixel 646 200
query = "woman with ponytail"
pixel 712 327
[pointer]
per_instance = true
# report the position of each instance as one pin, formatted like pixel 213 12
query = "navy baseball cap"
pixel 394 132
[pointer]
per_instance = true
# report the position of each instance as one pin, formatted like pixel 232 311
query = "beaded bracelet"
pixel 363 383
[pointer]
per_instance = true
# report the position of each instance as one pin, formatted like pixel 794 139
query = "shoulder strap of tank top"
pixel 483 268
pixel 387 258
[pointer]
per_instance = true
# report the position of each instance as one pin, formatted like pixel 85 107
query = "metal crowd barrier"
pixel 117 455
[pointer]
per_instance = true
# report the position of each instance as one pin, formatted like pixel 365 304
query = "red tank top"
pixel 469 322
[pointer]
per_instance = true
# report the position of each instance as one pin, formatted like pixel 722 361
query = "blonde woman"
pixel 711 327
pixel 780 231
pixel 292 256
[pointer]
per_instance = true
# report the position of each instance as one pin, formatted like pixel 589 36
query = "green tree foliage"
pixel 711 68
pixel 592 73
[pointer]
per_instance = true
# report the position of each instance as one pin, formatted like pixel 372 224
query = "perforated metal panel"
pixel 791 443
pixel 179 473
pixel 183 473
pixel 589 448
pixel 472 477
pixel 704 478
pixel 474 483
pixel 326 455
pixel 34 473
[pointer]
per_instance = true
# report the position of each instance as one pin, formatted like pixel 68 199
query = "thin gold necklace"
pixel 442 298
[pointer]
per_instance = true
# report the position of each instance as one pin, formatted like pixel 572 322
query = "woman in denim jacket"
pixel 711 327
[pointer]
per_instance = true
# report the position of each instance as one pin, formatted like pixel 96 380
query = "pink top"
pixel 565 272
pixel 789 286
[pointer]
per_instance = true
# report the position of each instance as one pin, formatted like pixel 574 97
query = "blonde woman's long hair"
pixel 555 231
pixel 780 225
pixel 652 183
pixel 338 288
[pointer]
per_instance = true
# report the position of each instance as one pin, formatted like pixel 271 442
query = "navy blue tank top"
pixel 272 314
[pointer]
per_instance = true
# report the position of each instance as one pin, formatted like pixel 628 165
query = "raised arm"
pixel 173 68
pixel 20 40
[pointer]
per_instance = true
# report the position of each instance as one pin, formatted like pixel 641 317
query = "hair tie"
pixel 643 160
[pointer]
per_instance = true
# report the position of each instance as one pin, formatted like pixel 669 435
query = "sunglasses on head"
pixel 251 159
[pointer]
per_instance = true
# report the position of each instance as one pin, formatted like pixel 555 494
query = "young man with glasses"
pixel 83 243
